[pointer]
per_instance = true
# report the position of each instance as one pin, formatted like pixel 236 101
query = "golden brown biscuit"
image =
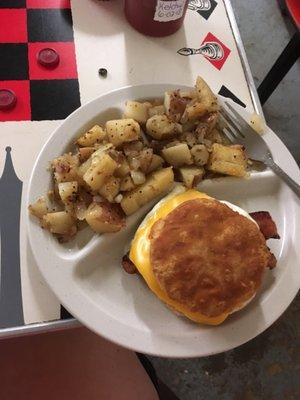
pixel 208 257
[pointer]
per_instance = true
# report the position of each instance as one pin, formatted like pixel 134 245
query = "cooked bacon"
pixel 272 261
pixel 128 265
pixel 266 224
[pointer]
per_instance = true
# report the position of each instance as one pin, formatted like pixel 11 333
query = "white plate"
pixel 88 279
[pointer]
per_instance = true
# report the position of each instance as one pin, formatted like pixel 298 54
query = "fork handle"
pixel 287 179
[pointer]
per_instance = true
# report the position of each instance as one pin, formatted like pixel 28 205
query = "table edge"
pixel 243 57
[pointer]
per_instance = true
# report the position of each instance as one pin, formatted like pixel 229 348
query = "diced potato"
pixel 85 153
pixel 68 191
pixel 193 111
pixel 122 130
pixel 39 208
pixel 161 127
pixel 191 176
pixel 188 126
pixel 137 111
pixel 132 148
pixel 145 159
pixel 178 155
pixel 60 222
pixel 127 184
pixel 157 183
pixel 95 135
pixel 110 188
pixel 123 169
pixel 82 169
pixel 228 160
pixel 190 138
pixel 206 96
pixel 257 123
pixel 174 105
pixel 105 217
pixel 206 102
pixel 65 168
pixel 188 94
pixel 200 154
pixel 134 163
pixel 216 137
pixel 156 163
pixel 156 110
pixel 99 172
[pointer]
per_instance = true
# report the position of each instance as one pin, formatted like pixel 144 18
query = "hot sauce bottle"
pixel 156 17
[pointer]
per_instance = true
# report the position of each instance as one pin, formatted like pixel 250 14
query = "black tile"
pixel 64 314
pixel 49 25
pixel 225 92
pixel 207 8
pixel 13 61
pixel 12 3
pixel 53 99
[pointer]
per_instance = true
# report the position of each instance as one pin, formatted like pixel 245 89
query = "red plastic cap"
pixel 48 58
pixel 8 99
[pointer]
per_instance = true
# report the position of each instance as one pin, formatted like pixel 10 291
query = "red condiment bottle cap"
pixel 8 99
pixel 48 57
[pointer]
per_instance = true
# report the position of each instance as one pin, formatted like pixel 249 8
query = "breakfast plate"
pixel 86 275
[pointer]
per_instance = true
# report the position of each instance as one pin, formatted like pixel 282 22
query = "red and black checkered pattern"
pixel 26 27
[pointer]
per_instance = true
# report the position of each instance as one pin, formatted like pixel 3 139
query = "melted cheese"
pixel 140 254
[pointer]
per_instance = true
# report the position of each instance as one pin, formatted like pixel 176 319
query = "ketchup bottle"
pixel 156 17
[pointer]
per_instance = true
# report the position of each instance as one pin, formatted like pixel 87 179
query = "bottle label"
pixel 169 10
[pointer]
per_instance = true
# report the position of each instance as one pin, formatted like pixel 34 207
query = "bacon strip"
pixel 266 224
pixel 128 265
pixel 272 261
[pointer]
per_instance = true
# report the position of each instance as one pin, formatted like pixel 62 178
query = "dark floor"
pixel 268 367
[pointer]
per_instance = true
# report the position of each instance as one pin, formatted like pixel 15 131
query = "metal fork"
pixel 238 131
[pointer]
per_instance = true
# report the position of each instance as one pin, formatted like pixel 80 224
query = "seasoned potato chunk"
pixel 39 208
pixel 105 217
pixel 127 184
pixel 60 222
pixel 110 188
pixel 122 130
pixel 95 135
pixel 161 127
pixel 99 171
pixel 65 168
pixel 157 183
pixel 257 123
pixel 228 160
pixel 178 155
pixel 191 176
pixel 82 169
pixel 205 102
pixel 174 105
pixel 156 110
pixel 145 158
pixel 137 111
pixel 200 154
pixel 123 169
pixel 156 163
pixel 68 191
pixel 193 111
pixel 206 96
